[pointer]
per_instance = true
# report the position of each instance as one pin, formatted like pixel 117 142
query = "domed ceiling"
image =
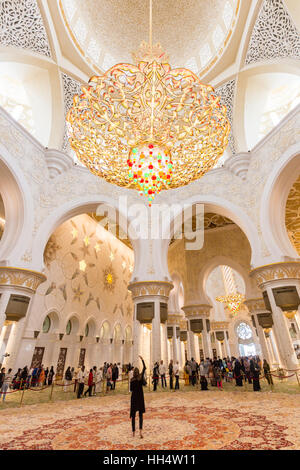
pixel 193 33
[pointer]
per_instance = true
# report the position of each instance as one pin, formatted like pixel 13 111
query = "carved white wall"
pixel 274 34
pixel 226 92
pixel 21 25
pixel 71 87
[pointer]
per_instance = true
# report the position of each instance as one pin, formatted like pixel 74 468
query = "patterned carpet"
pixel 181 421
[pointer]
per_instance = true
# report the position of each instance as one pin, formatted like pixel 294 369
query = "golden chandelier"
pixel 147 126
pixel 233 300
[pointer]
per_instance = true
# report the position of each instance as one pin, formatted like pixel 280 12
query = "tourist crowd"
pixel 211 372
pixel 41 377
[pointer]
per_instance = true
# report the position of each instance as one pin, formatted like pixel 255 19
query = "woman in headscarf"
pixel 247 370
pixel 51 375
pixel 238 373
pixel 41 378
pixel 137 397
pixel 255 369
pixel 211 374
pixel 267 372
pixel 155 376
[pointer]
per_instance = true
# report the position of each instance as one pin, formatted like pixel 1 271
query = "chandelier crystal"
pixel 147 126
pixel 233 301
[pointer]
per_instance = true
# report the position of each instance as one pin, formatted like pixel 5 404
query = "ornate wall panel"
pixel 71 87
pixel 61 362
pixel 226 92
pixel 274 34
pixel 21 25
pixel 37 357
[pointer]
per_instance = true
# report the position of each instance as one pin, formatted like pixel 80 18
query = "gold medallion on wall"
pixel 109 279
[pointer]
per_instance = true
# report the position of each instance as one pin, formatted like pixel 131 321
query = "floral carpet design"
pixel 189 421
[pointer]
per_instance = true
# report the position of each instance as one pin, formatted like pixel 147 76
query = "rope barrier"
pixel 25 385
pixel 64 385
pixel 283 376
pixel 38 389
pixel 13 391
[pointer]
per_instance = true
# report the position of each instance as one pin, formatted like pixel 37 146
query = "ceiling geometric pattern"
pixel 226 93
pixel 205 27
pixel 71 87
pixel 274 34
pixel 21 25
pixel 211 221
pixel 292 215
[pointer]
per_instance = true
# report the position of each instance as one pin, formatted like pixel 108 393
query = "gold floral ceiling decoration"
pixel 292 215
pixel 147 126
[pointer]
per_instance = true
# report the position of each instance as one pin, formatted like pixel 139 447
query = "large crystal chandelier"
pixel 233 299
pixel 147 126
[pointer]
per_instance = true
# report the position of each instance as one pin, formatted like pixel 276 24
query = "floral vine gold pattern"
pixel 255 305
pixel 200 310
pixel 276 271
pixel 174 319
pixel 219 325
pixel 50 251
pixel 17 277
pixel 140 289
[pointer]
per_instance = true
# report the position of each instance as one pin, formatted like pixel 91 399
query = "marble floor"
pixel 173 420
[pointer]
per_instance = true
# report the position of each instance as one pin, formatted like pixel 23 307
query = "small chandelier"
pixel 233 301
pixel 147 126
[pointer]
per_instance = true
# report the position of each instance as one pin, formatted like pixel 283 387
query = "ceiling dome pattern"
pixel 193 29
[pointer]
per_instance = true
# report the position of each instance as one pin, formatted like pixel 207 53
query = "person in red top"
pixel 90 383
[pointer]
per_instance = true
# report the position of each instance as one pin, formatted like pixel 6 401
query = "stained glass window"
pixel 46 324
pixel 69 327
pixel 244 331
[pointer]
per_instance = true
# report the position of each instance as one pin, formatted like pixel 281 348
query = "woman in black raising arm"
pixel 137 397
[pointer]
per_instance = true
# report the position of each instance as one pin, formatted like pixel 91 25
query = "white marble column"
pixel 297 319
pixel 206 341
pixel 137 339
pixel 262 340
pixel 2 344
pixel 197 349
pixel 227 346
pixel 164 345
pixel 285 345
pixel 156 336
pixel 274 347
pixel 122 353
pixel 180 356
pixel 223 347
pixel 4 299
pixel 270 350
pixel 175 345
pixel 13 343
pixel 191 345
pixel 219 348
